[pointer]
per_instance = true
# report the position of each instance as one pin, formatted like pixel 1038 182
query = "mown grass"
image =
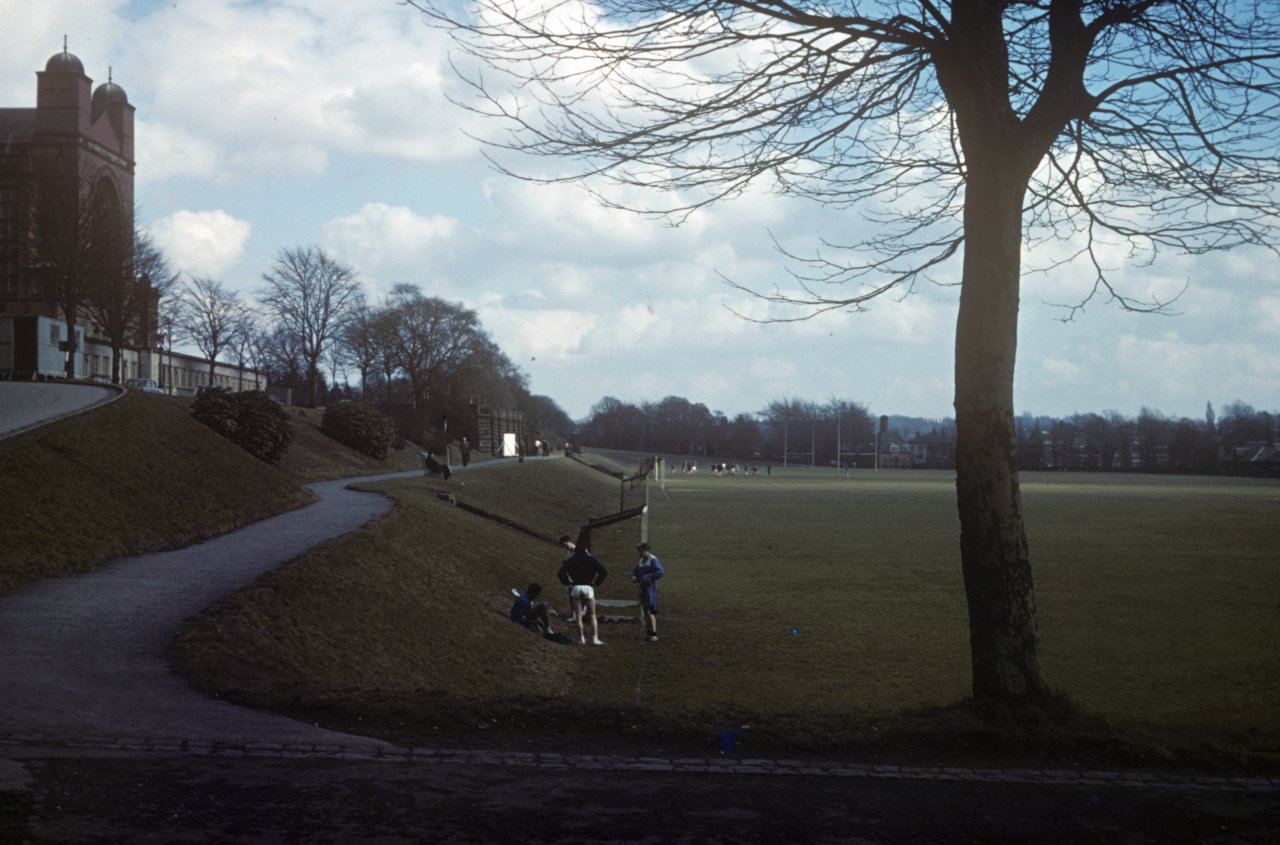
pixel 140 475
pixel 802 610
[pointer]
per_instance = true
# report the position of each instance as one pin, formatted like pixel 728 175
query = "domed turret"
pixel 109 92
pixel 64 62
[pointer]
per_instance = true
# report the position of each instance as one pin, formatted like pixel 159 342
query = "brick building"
pixel 82 137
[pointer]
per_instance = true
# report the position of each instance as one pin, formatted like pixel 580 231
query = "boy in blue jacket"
pixel 646 574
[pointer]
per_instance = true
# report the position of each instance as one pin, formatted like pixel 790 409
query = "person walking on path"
pixel 466 452
pixel 646 574
pixel 582 572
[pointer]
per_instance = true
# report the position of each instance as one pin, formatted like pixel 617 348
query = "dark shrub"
pixel 215 408
pixel 360 427
pixel 250 420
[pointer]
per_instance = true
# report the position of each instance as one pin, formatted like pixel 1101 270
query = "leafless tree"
pixel 968 129
pixel 312 294
pixel 121 300
pixel 245 342
pixel 209 317
pixel 168 314
pixel 360 338
pixel 431 340
pixel 280 352
pixel 78 236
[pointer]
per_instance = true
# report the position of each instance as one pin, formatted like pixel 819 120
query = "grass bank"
pixel 140 475
pixel 803 611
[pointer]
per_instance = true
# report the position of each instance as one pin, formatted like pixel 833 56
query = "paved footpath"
pixel 100 740
pixel 27 404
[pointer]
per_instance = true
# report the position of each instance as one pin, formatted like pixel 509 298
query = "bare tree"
pixel 168 317
pixel 967 128
pixel 280 353
pixel 431 341
pixel 209 317
pixel 384 335
pixel 360 339
pixel 78 236
pixel 122 299
pixel 244 343
pixel 312 294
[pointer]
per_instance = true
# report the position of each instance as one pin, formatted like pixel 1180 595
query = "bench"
pixel 619 604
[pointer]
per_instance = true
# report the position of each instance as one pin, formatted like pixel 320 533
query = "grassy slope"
pixel 405 620
pixel 140 475
pixel 314 456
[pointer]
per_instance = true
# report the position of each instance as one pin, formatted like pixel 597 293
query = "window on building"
pixel 8 214
pixel 8 269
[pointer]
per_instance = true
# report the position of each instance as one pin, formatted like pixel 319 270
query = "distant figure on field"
pixel 466 452
pixel 530 612
pixel 581 572
pixel 646 574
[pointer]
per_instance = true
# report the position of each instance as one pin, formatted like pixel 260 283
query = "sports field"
pixel 1159 597
pixel 816 607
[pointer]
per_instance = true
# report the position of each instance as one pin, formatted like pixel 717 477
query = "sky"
pixel 273 124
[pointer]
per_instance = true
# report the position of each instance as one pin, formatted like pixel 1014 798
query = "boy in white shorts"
pixel 581 572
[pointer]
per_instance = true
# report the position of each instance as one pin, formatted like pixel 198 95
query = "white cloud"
pixel 165 151
pixel 202 243
pixel 299 81
pixel 390 243
pixel 1061 370
pixel 1266 311
pixel 547 335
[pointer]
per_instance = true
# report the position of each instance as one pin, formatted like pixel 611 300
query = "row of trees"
pixel 793 428
pixel 1150 442
pixel 835 432
pixel 313 328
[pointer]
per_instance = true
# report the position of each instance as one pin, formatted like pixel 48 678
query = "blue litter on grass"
pixel 727 741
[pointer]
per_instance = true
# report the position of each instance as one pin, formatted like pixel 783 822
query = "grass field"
pixel 823 610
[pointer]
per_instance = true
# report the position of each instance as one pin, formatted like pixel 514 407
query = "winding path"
pixel 88 655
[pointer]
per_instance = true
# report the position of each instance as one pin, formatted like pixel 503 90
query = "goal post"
pixel 613 538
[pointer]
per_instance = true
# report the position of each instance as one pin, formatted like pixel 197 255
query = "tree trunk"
pixel 314 379
pixel 993 547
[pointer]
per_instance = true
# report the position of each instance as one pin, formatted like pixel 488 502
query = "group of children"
pixel 582 572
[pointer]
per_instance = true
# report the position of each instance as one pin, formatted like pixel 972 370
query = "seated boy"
pixel 529 614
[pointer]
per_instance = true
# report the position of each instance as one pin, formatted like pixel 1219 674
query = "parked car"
pixel 146 385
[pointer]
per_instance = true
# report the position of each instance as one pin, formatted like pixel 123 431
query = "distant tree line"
pixel 1152 442
pixel 792 429
pixel 844 433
